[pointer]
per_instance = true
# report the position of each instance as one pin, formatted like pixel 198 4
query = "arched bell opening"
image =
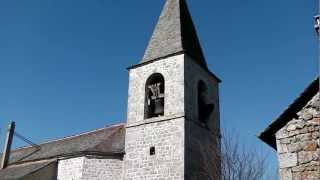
pixel 205 108
pixel 154 96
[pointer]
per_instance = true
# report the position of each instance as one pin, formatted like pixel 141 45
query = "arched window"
pixel 154 100
pixel 204 108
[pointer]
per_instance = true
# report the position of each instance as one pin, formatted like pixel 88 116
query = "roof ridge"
pixel 71 136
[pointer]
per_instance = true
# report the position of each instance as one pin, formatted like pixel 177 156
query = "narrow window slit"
pixel 152 150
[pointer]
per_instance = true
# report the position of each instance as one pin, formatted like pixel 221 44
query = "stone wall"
pixel 70 169
pixel 165 134
pixel 298 144
pixel 193 75
pixel 167 137
pixel 202 143
pixel 88 168
pixel 184 149
pixel 102 169
pixel 172 70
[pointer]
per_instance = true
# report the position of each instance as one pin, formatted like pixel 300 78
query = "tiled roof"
pixel 104 141
pixel 21 171
pixel 268 135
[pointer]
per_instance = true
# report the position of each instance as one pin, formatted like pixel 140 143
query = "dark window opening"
pixel 154 105
pixel 204 108
pixel 152 151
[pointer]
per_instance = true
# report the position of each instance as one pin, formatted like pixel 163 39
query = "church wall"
pixel 193 74
pixel 88 168
pixel 298 144
pixel 167 137
pixel 165 133
pixel 172 70
pixel 104 169
pixel 70 168
pixel 202 143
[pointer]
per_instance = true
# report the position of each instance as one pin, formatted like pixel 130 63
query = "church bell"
pixel 159 106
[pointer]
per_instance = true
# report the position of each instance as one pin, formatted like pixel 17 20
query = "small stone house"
pixel 172 130
pixel 295 137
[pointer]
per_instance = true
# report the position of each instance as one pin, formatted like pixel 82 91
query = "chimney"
pixel 7 146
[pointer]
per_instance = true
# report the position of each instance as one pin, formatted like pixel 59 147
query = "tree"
pixel 238 161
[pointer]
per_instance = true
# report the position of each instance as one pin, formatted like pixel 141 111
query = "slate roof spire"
pixel 174 33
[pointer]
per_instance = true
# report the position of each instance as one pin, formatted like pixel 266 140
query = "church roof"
pixel 22 171
pixel 174 34
pixel 268 135
pixel 105 141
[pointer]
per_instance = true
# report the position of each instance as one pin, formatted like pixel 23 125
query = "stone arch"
pixel 154 96
pixel 205 108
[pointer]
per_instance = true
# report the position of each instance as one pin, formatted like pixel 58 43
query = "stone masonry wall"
pixel 102 169
pixel 70 169
pixel 299 146
pixel 87 168
pixel 165 134
pixel 193 75
pixel 172 70
pixel 202 143
pixel 168 161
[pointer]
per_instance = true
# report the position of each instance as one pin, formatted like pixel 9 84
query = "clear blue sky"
pixel 63 62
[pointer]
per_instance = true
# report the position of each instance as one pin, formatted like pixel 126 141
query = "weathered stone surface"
pixel 287 140
pixel 283 148
pixel 310 146
pixel 167 134
pixel 307 116
pixel 300 168
pixel 282 134
pixel 294 147
pixel 305 157
pixel 291 127
pixel 315 121
pixel 99 168
pixel 303 137
pixel 306 175
pixel 288 160
pixel 84 168
pixel 285 174
pixel 70 168
pixel 298 144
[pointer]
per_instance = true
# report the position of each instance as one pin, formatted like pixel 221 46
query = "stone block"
pixel 288 160
pixel 310 146
pixel 286 174
pixel 282 148
pixel 305 157
pixel 295 147
pixel 303 137
pixel 291 127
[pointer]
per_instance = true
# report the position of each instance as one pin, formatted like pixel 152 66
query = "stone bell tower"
pixel 173 124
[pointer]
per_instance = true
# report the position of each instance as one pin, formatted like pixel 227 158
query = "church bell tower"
pixel 173 125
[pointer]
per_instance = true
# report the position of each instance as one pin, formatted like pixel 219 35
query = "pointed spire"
pixel 175 33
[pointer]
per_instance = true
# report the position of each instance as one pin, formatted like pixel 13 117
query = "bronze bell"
pixel 159 106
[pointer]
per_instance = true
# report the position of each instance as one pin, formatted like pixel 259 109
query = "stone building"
pixel 295 137
pixel 172 130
